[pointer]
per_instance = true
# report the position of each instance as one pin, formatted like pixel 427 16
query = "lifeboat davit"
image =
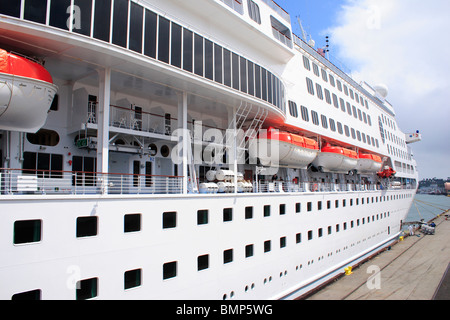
pixel 26 93
pixel 336 159
pixel 293 150
pixel 369 163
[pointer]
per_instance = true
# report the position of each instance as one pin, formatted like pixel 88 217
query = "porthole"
pixel 165 151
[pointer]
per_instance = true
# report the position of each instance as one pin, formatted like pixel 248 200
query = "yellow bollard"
pixel 348 271
pixel 401 238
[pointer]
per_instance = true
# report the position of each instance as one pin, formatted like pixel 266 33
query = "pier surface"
pixel 413 269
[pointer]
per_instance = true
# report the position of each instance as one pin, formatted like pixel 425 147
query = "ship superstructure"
pixel 191 150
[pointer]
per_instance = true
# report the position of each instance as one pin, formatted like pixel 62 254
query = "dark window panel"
pixel 136 23
pixel 150 34
pixel 209 60
pixel 120 23
pixel 198 58
pixel 35 10
pixel 251 78
pixel 10 8
pixel 163 39
pixel 235 68
pixel 102 17
pixel 176 45
pixel 227 67
pixel 258 81
pixel 187 50
pixel 218 59
pixel 243 74
pixel 58 14
pixel 82 23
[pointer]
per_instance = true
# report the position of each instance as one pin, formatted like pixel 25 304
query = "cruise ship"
pixel 186 150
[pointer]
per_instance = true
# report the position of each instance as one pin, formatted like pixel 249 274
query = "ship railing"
pixel 139 120
pixel 46 182
pixel 265 186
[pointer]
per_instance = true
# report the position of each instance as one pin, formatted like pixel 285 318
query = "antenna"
pixel 311 42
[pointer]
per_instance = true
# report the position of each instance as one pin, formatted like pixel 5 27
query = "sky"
pixel 402 44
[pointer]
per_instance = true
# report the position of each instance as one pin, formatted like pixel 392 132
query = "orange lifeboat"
pixel 293 150
pixel 387 173
pixel 369 163
pixel 336 159
pixel 26 93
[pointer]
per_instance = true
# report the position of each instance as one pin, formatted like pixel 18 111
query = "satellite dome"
pixel 382 90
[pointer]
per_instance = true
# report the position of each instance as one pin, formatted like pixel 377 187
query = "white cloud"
pixel 404 44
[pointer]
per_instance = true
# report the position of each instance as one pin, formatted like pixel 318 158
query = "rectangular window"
pixel 169 270
pixel 198 55
pixel 120 23
pixel 35 10
pixel 298 207
pixel 59 15
pixel 169 220
pixel 86 289
pixel 253 11
pixel 258 81
pixel 27 231
pixel 235 68
pixel 338 227
pixel 310 86
pixel 305 113
pixel 251 78
pixel 203 262
pixel 202 217
pixel 218 59
pixel 320 232
pixel 150 33
pixel 102 19
pixel 10 8
pixel 227 67
pixel 248 213
pixel 132 279
pixel 319 205
pixel 249 251
pixel 282 209
pixel 283 242
pixel 306 63
pixel 310 235
pixel 227 214
pixel 209 60
pixel 87 227
pixel 187 50
pixel 309 206
pixel 267 211
pixel 163 39
pixel 324 121
pixel 132 223
pixel 298 238
pixel 243 74
pixel 264 83
pixel 136 25
pixel 28 295
pixel 267 246
pixel 175 52
pixel 228 256
pixel 330 231
pixel 315 118
pixel 269 87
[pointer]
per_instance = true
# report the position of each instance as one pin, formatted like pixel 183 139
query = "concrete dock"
pixel 413 269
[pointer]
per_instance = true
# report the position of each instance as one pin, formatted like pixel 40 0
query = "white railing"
pixel 25 182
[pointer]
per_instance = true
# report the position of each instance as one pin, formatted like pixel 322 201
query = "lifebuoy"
pixel 315 187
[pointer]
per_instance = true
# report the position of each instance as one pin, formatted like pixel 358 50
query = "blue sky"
pixel 399 43
pixel 317 16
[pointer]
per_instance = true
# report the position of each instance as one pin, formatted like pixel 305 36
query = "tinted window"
pixel 35 10
pixel 243 76
pixel 83 26
pixel 163 39
pixel 176 45
pixel 226 67
pixel 218 63
pixel 235 64
pixel 198 58
pixel 187 50
pixel 251 78
pixel 209 61
pixel 264 83
pixel 10 8
pixel 120 23
pixel 258 81
pixel 102 19
pixel 59 15
pixel 136 22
